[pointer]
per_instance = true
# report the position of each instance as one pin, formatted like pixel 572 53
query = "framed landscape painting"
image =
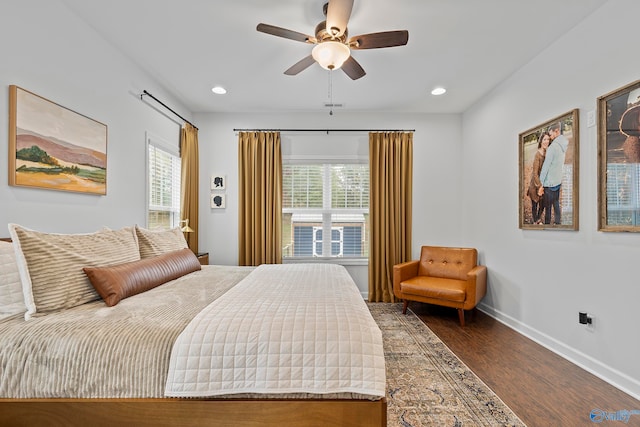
pixel 53 147
pixel 619 159
pixel 548 186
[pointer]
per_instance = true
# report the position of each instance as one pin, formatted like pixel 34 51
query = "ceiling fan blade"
pixel 301 65
pixel 378 40
pixel 338 13
pixel 353 69
pixel 283 32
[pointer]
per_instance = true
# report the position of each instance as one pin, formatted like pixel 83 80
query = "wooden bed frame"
pixel 192 412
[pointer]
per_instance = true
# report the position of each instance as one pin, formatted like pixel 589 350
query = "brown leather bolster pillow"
pixel 117 282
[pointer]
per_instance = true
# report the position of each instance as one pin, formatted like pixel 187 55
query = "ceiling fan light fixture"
pixel 330 54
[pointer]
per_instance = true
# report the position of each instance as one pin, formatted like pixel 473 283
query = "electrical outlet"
pixel 586 319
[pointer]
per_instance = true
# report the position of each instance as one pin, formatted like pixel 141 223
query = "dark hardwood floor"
pixel 542 388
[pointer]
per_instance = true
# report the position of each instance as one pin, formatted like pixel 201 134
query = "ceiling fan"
pixel 333 44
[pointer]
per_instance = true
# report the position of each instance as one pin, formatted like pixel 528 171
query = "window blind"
pixel 164 187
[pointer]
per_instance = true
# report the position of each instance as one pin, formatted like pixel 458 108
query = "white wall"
pixel 47 50
pixel 540 280
pixel 437 174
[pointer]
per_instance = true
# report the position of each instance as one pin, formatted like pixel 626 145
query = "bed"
pixel 301 347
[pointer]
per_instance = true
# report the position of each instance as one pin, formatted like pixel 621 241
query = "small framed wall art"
pixel 619 159
pixel 548 186
pixel 218 200
pixel 218 182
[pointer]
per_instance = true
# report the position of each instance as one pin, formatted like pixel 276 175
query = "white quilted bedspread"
pixel 295 328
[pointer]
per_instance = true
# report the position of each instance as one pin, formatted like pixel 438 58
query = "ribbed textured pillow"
pixel 116 282
pixel 11 297
pixel 51 265
pixel 153 243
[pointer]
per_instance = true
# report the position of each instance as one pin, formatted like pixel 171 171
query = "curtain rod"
pixel 144 92
pixel 324 130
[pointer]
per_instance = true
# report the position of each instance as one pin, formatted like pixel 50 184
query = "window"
pixel 325 210
pixel 163 185
pixel 623 196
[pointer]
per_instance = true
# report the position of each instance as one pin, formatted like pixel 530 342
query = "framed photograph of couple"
pixel 619 159
pixel 548 186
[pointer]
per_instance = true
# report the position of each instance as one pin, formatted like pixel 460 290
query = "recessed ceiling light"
pixel 218 90
pixel 438 91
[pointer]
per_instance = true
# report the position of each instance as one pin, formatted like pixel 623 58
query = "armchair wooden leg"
pixel 461 316
pixel 404 308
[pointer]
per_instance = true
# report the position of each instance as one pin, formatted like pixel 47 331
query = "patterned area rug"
pixel 427 385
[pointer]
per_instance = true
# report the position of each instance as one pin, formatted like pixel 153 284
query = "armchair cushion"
pixel 435 287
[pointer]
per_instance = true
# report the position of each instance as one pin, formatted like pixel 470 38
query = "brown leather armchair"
pixel 444 276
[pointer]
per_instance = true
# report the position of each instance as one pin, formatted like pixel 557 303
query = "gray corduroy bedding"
pixel 95 351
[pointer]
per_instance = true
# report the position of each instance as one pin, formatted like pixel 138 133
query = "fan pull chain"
pixel 330 92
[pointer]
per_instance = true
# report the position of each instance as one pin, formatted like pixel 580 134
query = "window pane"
pixel 353 243
pixel 302 241
pixel 350 186
pixel 302 186
pixel 335 249
pixel 335 196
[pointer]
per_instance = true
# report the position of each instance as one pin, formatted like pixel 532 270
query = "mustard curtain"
pixel 189 182
pixel 260 198
pixel 391 177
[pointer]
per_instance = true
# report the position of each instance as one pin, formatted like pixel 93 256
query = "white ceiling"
pixel 468 46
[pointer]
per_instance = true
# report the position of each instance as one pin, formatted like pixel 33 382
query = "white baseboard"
pixel 614 377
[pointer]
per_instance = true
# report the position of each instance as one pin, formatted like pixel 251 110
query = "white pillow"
pixel 11 298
